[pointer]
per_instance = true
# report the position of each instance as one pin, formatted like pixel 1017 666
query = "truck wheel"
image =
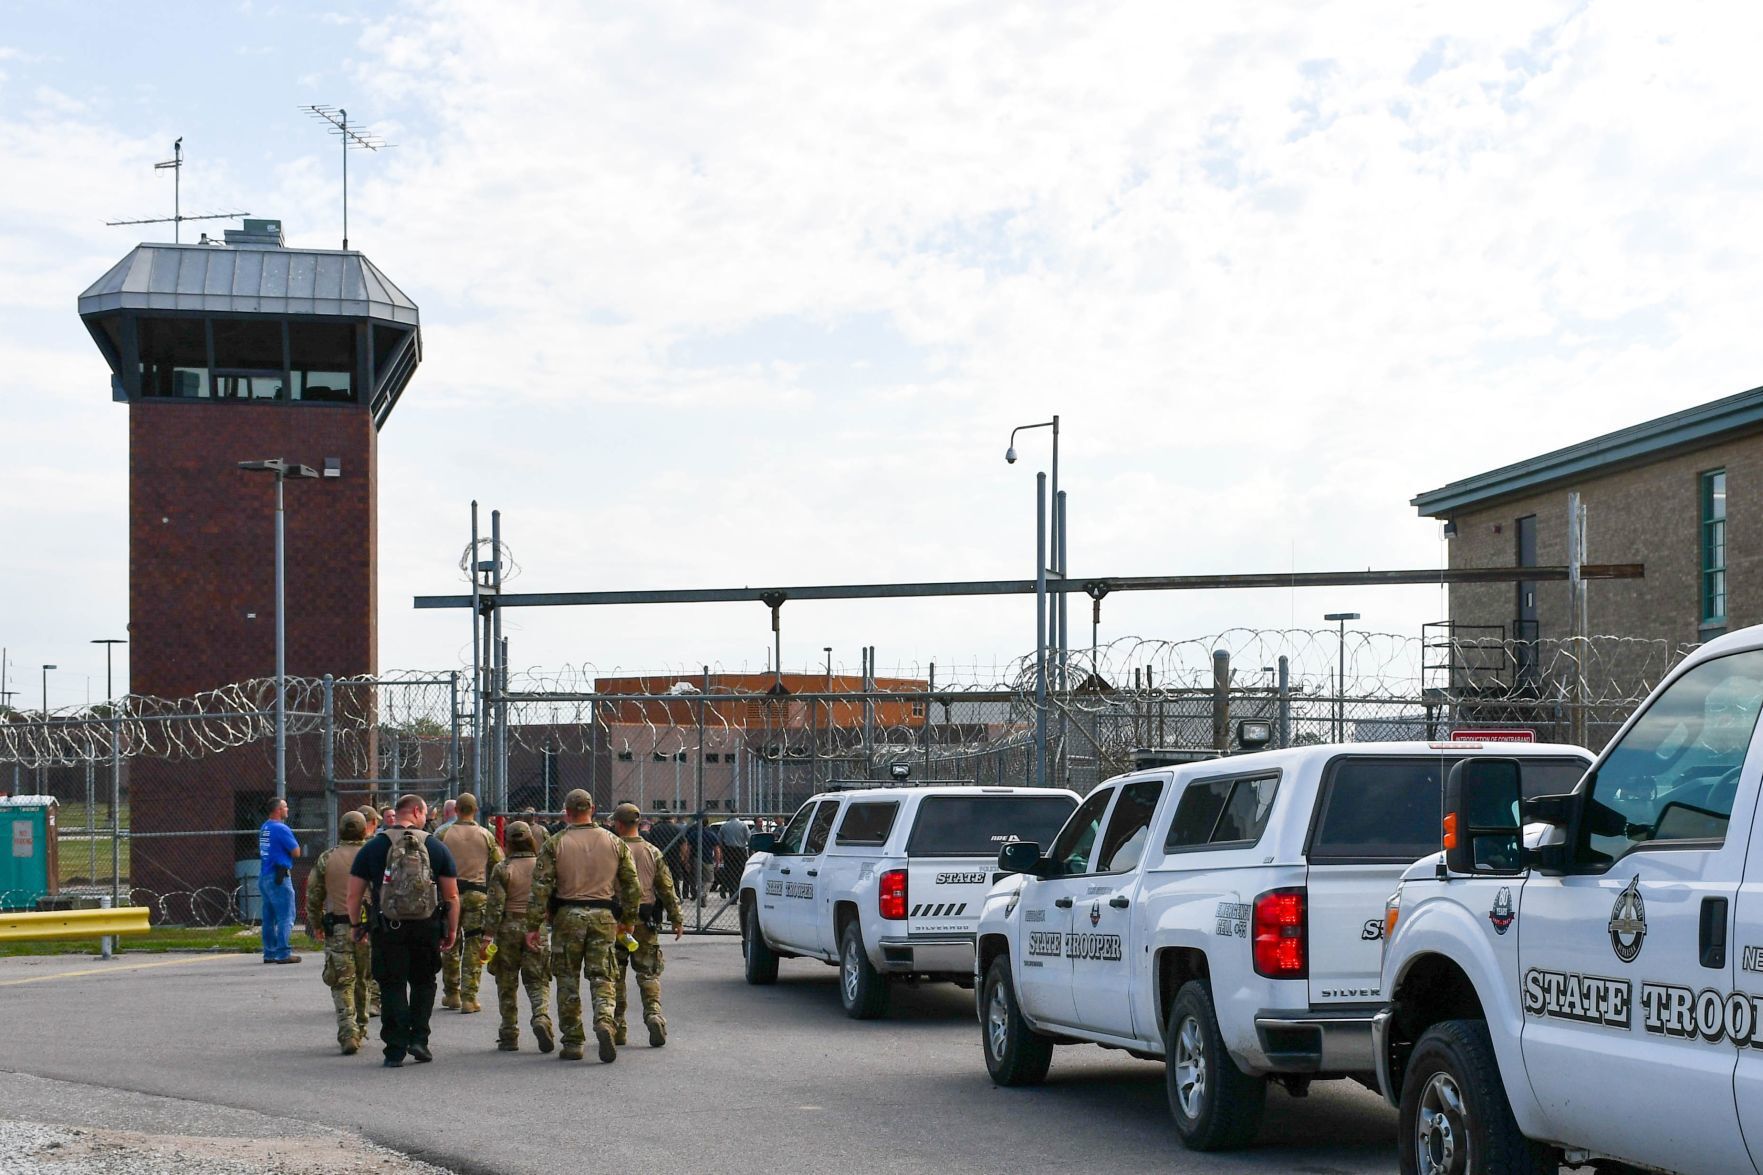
pixel 1015 1053
pixel 1455 1119
pixel 862 989
pixel 1216 1106
pixel 761 963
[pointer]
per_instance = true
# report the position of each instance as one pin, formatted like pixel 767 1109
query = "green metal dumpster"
pixel 28 866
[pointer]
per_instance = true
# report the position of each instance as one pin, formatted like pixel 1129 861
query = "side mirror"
pixel 1021 856
pixel 1484 833
pixel 761 842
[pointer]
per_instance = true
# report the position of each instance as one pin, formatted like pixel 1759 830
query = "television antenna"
pixel 353 138
pixel 175 165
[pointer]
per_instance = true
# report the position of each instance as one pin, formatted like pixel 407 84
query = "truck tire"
pixel 1216 1106
pixel 1455 1119
pixel 761 962
pixel 1015 1053
pixel 862 989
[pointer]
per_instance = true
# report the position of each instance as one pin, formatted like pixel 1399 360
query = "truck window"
pixel 980 825
pixel 867 823
pixel 1390 810
pixel 1221 811
pixel 821 827
pixel 796 832
pixel 1128 826
pixel 1071 849
pixel 1673 776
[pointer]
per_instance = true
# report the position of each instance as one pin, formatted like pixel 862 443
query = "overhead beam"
pixel 1090 585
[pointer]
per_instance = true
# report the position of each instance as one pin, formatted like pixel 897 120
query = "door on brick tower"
pixel 1524 624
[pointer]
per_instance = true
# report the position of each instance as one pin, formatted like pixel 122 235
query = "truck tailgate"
pixel 1345 912
pixel 944 894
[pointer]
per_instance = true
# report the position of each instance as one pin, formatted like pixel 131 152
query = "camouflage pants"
pixel 514 967
pixel 647 963
pixel 581 939
pixel 460 966
pixel 346 965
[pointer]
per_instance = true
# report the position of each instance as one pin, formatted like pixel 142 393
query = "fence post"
pixel 330 756
pixel 1285 701
pixel 1221 701
pixel 929 701
pixel 453 765
pixel 115 803
pixel 699 856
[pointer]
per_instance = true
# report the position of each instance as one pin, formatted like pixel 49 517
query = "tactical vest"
pixel 644 856
pixel 471 852
pixel 336 877
pixel 587 864
pixel 518 874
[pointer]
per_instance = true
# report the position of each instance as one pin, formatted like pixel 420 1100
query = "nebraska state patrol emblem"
pixel 1628 922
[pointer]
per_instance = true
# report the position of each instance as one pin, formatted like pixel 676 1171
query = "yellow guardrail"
pixel 45 925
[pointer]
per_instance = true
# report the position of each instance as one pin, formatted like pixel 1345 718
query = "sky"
pixel 723 294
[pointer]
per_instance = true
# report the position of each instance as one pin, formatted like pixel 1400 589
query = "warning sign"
pixel 22 840
pixel 1493 736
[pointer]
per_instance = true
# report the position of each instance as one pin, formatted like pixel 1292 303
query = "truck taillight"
pixel 893 894
pixel 1279 940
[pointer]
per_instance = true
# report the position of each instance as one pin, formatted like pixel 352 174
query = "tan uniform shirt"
pixel 474 850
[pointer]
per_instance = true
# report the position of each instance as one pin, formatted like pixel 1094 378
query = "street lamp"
pixel 43 771
pixel 46 670
pixel 110 644
pixel 283 470
pixel 1340 699
pixel 1045 635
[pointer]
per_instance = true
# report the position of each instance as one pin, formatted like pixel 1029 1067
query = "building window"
pixel 625 757
pixel 1714 548
pixel 713 757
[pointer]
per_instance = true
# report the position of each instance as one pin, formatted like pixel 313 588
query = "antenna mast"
pixel 175 165
pixel 353 138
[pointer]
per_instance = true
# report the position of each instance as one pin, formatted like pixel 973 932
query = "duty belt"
pixel 474 887
pixel 590 903
pixel 330 920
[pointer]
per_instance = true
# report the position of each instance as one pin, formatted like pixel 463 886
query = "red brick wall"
pixel 201 560
pixel 202 544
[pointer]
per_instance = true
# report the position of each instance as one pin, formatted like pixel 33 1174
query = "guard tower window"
pixel 323 358
pixel 174 358
pixel 248 359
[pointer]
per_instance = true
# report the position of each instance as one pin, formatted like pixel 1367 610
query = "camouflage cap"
pixel 578 801
pixel 626 814
pixel 354 825
pixel 466 804
pixel 520 835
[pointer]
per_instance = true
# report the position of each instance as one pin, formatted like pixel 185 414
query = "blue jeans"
pixel 278 915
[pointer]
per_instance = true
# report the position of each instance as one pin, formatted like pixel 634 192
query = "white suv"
pixel 885 882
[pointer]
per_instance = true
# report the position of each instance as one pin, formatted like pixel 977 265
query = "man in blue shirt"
pixel 276 850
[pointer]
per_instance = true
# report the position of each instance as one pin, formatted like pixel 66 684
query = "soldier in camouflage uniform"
pixel 585 886
pixel 346 961
pixel 511 885
pixel 475 852
pixel 659 899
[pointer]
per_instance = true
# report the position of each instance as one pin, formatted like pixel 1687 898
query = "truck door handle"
pixel 814 873
pixel 1119 902
pixel 1062 903
pixel 1713 936
pixel 783 870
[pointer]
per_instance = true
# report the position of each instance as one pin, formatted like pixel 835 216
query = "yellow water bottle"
pixel 628 941
pixel 489 952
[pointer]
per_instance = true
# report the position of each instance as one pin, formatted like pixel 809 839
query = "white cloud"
pixel 751 293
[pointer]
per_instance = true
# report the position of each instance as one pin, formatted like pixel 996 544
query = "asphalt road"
pixel 753 1079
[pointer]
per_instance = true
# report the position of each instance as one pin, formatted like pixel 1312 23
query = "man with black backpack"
pixel 415 918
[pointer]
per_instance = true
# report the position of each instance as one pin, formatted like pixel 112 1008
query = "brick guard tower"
pixel 228 352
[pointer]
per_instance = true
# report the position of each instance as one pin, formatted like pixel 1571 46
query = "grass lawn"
pixel 234 939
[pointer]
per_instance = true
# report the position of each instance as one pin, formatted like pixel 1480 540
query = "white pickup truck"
pixel 1221 915
pixel 1580 976
pixel 886 883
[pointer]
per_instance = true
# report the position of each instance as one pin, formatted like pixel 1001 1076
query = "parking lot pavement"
pixel 753 1079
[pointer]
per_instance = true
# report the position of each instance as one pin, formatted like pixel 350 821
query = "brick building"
pixel 231 352
pixel 1675 493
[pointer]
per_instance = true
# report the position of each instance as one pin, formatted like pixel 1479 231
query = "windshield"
pixel 980 825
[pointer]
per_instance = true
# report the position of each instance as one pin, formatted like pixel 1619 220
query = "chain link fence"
pixel 159 801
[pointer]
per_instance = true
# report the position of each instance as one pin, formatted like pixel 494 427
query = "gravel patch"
pixel 32 1147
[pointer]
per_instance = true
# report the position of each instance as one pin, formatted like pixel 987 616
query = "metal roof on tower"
pixel 223 278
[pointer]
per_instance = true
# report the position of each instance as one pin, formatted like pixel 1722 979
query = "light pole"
pixel 1340 699
pixel 828 650
pixel 283 470
pixel 43 771
pixel 1049 623
pixel 110 644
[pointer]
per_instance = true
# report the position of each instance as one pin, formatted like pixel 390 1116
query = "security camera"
pixel 1010 455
